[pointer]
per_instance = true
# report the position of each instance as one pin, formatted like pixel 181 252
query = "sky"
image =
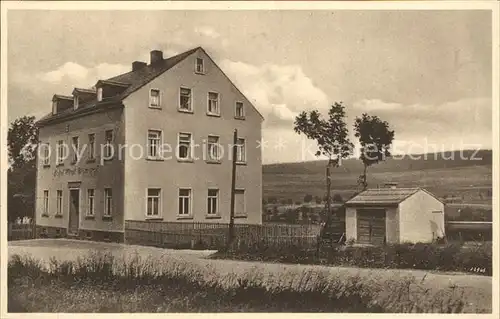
pixel 427 73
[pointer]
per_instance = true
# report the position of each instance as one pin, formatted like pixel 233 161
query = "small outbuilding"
pixel 394 215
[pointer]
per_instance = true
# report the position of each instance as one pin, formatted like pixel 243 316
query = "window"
pixel 59 202
pixel 239 202
pixel 239 112
pixel 75 149
pixel 91 146
pixel 213 202
pixel 184 146
pixel 153 205
pixel 99 94
pixel 213 103
pixel 108 149
pixel 75 102
pixel 185 100
pixel 184 201
pixel 154 98
pixel 240 151
pixel 199 66
pixel 45 203
pixel 61 152
pixel 154 141
pixel 90 202
pixel 213 148
pixel 108 201
pixel 46 154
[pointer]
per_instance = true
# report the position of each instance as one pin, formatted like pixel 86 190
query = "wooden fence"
pixel 215 235
pixel 20 231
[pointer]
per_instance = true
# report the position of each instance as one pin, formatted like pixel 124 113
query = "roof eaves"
pixel 372 204
pixel 59 96
pixel 87 91
pixel 115 83
pixel 61 117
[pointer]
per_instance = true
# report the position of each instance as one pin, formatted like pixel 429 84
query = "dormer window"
pixel 75 102
pixel 108 89
pixel 99 94
pixel 200 68
pixel 54 107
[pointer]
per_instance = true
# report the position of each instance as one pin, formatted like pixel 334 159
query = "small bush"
pixel 448 257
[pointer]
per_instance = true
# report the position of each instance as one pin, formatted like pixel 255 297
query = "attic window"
pixel 75 102
pixel 54 107
pixel 154 98
pixel 199 66
pixel 99 94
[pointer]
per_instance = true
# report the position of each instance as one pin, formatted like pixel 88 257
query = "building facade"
pixel 394 215
pixel 151 144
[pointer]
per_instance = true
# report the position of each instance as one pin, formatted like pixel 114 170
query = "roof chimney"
pixel 156 56
pixel 137 65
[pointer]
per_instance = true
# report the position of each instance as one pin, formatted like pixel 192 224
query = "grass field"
pixel 475 290
pixel 470 184
pixel 464 175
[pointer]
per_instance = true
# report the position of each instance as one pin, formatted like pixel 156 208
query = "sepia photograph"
pixel 230 157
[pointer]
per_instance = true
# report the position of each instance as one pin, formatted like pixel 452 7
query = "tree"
pixel 331 136
pixel 318 199
pixel 22 140
pixel 337 198
pixel 308 198
pixel 375 139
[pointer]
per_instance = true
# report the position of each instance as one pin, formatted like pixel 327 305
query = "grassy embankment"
pixel 103 283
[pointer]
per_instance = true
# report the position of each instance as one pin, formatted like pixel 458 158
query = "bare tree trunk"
pixel 365 184
pixel 328 189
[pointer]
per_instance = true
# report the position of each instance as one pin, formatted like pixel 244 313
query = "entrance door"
pixel 371 226
pixel 74 210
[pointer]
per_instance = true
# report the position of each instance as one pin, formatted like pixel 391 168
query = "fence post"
pixel 233 185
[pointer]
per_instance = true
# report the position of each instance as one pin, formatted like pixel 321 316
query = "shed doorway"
pixel 371 226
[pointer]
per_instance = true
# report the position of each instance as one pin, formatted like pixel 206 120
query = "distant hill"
pixel 465 175
pixel 397 164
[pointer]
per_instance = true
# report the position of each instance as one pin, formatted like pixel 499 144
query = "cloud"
pixel 72 70
pixel 70 74
pixel 448 125
pixel 280 92
pixel 207 32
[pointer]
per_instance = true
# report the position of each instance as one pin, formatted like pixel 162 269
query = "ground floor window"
pixel 213 202
pixel 45 202
pixel 153 202
pixel 90 202
pixel 59 202
pixel 184 201
pixel 108 201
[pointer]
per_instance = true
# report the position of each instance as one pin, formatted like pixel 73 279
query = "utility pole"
pixel 233 186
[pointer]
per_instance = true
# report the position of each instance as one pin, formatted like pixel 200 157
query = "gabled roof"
pixel 146 74
pixel 87 91
pixel 131 82
pixel 65 97
pixel 382 196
